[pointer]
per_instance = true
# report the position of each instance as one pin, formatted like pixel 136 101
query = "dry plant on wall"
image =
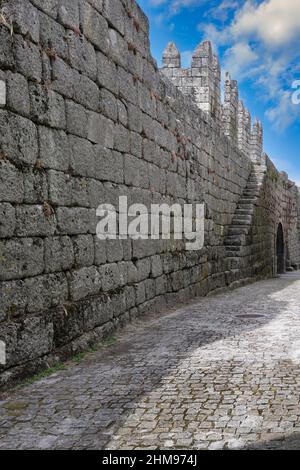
pixel 5 20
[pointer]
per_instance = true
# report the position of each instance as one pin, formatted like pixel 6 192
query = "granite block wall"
pixel 86 117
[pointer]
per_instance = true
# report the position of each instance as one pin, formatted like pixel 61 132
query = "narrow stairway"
pixel 238 239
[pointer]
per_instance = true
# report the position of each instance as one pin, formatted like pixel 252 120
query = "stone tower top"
pixel 171 56
pixel 202 51
pixel 203 83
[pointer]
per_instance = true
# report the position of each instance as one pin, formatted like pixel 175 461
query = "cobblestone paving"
pixel 222 372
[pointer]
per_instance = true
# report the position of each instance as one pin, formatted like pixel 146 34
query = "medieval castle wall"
pixel 86 117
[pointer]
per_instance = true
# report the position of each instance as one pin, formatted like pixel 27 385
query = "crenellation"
pixel 256 147
pixel 202 81
pixel 244 129
pixel 230 109
pixel 217 90
pixel 171 56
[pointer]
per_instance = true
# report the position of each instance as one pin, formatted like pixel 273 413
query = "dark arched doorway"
pixel 280 250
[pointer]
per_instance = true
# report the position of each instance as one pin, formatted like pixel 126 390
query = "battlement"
pixel 202 81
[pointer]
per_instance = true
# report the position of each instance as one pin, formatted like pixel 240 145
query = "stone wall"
pixel 86 117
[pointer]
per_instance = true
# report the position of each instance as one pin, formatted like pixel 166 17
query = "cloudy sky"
pixel 258 42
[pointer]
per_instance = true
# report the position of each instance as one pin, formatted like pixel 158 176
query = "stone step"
pixel 232 251
pixel 242 219
pixel 237 240
pixel 255 180
pixel 245 206
pixel 246 200
pixel 250 193
pixel 245 211
pixel 238 230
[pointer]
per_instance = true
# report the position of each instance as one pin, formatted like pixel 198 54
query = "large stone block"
pixel 100 130
pixel 84 282
pixel 84 250
pixel 54 149
pixel 142 248
pixel 52 37
pixel 127 86
pixel 82 55
pixel 136 172
pixel 114 250
pixel 82 162
pixel 21 258
pixel 47 107
pixel 24 16
pixel 35 186
pixel 100 251
pixel 77 119
pixel 80 192
pixel 68 13
pixel 28 59
pixel 136 144
pixel 34 221
pixel 94 26
pixel 60 188
pixel 115 13
pixel 11 182
pixel 76 220
pixel 27 339
pixel 13 299
pixel 112 277
pixel 64 78
pixel 18 138
pixel 99 311
pixel 134 118
pixel 7 220
pixel 118 48
pixel 108 105
pixel 156 266
pixel 107 73
pixel 18 93
pixel 98 4
pixel 44 292
pixel 109 165
pixel 59 254
pixel 122 113
pixel 6 50
pixel 140 292
pixel 121 139
pixel 87 93
pixel 48 6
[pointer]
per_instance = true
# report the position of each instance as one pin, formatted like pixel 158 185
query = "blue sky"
pixel 258 42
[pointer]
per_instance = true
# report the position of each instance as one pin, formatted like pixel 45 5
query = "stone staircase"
pixel 238 239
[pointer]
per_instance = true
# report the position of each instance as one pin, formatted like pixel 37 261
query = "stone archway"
pixel 280 251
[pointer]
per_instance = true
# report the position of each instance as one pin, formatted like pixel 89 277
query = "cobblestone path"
pixel 222 372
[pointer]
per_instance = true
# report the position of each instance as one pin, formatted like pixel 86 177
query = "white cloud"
pixel 221 11
pixel 238 59
pixel 284 113
pixel 217 36
pixel 262 45
pixel 275 22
